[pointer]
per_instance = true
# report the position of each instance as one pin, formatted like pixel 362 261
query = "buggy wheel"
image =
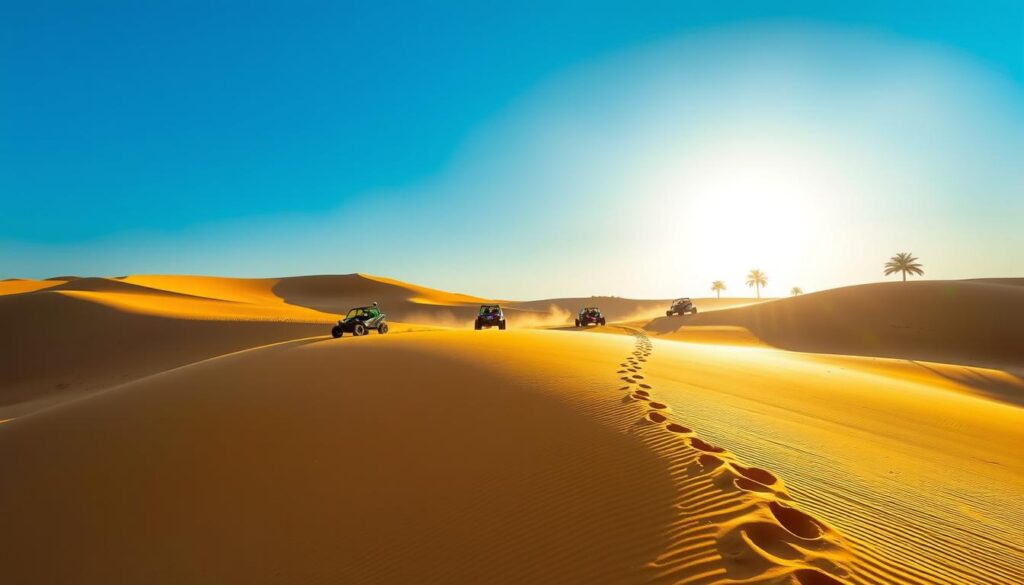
pixel 476 325
pixel 501 324
pixel 336 331
pixel 693 311
pixel 577 322
pixel 382 328
pixel 359 329
pixel 668 313
pixel 603 322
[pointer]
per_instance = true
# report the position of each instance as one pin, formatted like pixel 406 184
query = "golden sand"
pixel 208 431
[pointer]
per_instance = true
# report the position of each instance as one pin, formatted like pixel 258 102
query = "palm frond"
pixel 904 262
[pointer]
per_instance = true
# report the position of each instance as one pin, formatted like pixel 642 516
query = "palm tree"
pixel 796 290
pixel 718 286
pixel 756 278
pixel 903 262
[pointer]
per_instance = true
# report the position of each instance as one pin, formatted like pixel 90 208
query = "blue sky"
pixel 519 152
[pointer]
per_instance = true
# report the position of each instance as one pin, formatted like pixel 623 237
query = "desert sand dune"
pixel 84 335
pixel 124 328
pixel 57 346
pixel 15 286
pixel 282 464
pixel 516 456
pixel 112 285
pixel 337 293
pixel 917 471
pixel 960 322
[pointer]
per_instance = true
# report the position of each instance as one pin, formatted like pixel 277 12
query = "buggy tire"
pixel 693 311
pixel 603 322
pixel 359 329
pixel 577 322
pixel 501 325
pixel 336 331
pixel 382 328
pixel 476 325
pixel 668 313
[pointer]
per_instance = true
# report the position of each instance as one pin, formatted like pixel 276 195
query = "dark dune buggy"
pixel 681 307
pixel 590 316
pixel 489 316
pixel 360 320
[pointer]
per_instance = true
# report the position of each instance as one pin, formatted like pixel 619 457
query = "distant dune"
pixel 975 322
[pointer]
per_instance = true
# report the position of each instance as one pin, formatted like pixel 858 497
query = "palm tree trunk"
pixel 904 276
pixel 719 293
pixel 758 287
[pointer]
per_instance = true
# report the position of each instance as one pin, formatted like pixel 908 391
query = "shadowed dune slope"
pixel 964 322
pixel 336 294
pixel 403 301
pixel 57 345
pixel 15 286
pixel 242 290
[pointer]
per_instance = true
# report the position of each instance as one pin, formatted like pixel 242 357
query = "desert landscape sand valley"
pixel 171 429
pixel 532 293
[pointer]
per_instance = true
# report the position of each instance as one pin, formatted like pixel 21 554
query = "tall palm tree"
pixel 756 278
pixel 796 290
pixel 903 262
pixel 718 286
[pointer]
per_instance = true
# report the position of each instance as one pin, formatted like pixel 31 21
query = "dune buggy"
pixel 590 316
pixel 489 316
pixel 681 307
pixel 360 321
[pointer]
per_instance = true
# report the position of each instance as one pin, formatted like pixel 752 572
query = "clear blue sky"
pixel 470 147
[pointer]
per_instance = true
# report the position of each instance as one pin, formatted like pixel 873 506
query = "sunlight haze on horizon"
pixel 528 153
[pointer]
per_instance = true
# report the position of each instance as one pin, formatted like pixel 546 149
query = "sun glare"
pixel 747 205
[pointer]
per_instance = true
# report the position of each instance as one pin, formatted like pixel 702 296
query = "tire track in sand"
pixel 734 523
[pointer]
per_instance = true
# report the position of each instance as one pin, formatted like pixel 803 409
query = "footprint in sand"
pixel 796 522
pixel 645 386
pixel 637 376
pixel 658 406
pixel 761 476
pixel 627 379
pixel 706 447
pixel 709 462
pixel 655 416
pixel 749 485
pixel 636 396
pixel 677 428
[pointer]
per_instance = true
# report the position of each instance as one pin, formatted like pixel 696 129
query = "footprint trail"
pixel 735 523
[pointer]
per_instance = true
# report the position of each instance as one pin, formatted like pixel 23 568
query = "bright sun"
pixel 745 205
